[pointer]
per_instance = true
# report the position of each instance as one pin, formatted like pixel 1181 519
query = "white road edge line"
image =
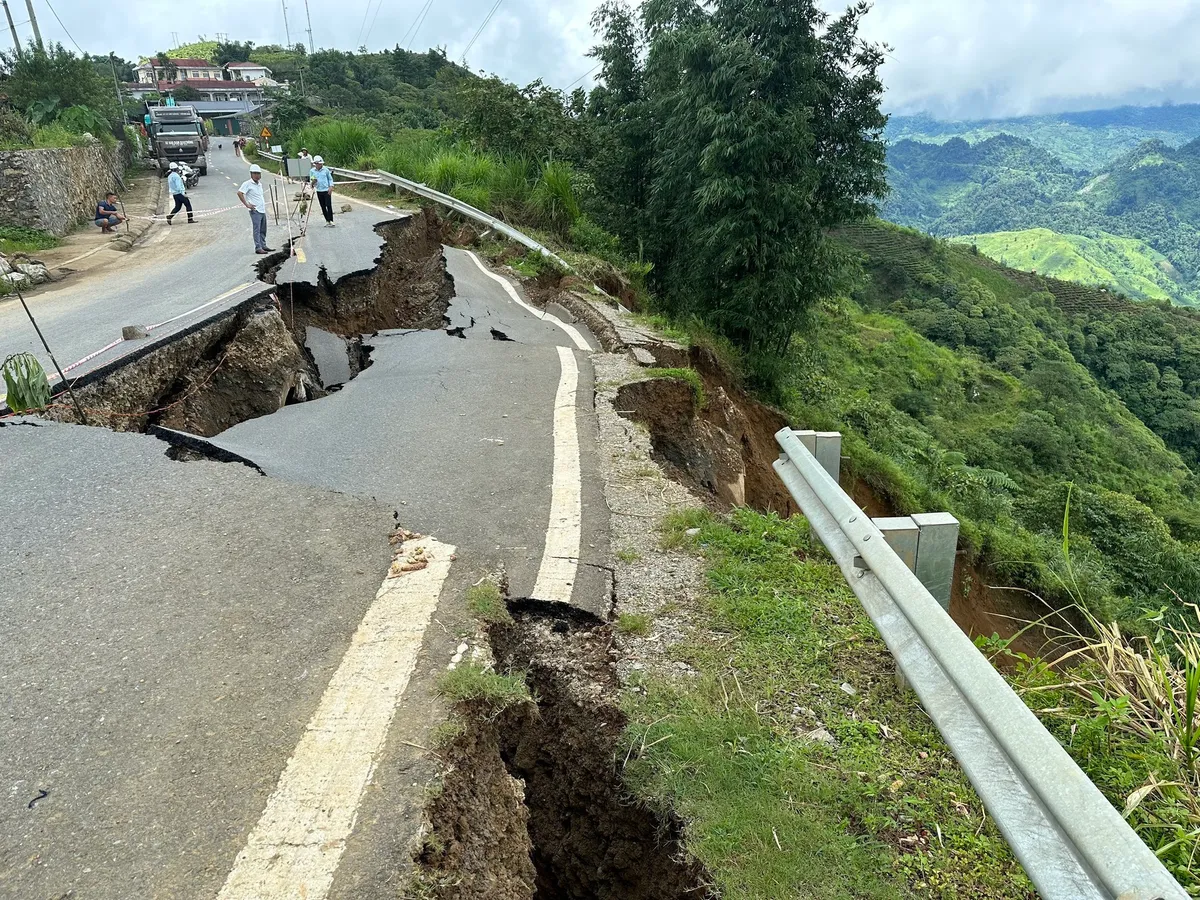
pixel 225 296
pixel 571 330
pixel 294 850
pixel 560 560
pixel 382 209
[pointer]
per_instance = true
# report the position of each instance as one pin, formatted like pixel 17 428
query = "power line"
pixel 419 23
pixel 64 28
pixel 583 76
pixel 417 19
pixel 378 6
pixel 479 30
pixel 366 12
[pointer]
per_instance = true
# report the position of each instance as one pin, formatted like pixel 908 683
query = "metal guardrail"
pixel 378 176
pixel 1071 841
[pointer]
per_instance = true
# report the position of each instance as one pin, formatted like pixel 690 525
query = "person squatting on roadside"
pixel 178 192
pixel 322 179
pixel 251 195
pixel 106 213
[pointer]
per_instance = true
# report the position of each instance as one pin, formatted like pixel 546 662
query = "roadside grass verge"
pixel 16 239
pixel 799 766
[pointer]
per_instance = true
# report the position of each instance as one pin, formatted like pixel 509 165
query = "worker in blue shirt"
pixel 321 177
pixel 178 191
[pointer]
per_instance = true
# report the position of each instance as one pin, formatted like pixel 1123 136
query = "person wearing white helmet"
pixel 321 177
pixel 251 195
pixel 178 191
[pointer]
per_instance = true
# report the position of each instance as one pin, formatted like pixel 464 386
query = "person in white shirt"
pixel 178 191
pixel 251 195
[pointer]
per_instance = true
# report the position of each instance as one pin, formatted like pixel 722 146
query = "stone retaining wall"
pixel 56 189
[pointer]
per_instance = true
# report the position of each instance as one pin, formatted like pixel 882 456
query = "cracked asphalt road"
pixel 175 270
pixel 170 627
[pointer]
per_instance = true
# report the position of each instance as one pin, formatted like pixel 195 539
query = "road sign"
pixel 265 133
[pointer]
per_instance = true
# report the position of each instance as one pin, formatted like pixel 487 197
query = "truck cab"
pixel 177 135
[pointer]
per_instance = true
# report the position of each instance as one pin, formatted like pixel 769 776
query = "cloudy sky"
pixel 952 58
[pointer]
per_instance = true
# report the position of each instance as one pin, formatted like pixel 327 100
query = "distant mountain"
pixel 1083 140
pixel 1147 196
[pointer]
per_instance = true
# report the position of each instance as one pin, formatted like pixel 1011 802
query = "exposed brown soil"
pixel 236 367
pixel 407 288
pixel 479 846
pixel 587 838
pixel 724 452
pixel 725 447
pixel 251 360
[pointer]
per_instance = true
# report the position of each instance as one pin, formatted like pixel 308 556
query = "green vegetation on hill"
pixel 1126 265
pixel 1149 195
pixel 966 386
pixel 1084 140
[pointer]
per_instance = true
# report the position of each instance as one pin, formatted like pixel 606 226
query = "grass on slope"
pixel 799 766
pixel 1123 264
pixel 959 386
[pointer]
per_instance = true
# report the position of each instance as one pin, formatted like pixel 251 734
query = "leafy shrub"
pixel 553 203
pixel 589 237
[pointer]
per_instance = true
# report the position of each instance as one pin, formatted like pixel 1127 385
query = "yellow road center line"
pixel 294 850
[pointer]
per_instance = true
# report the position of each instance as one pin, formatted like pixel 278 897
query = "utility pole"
pixel 308 15
pixel 174 37
pixel 117 84
pixel 286 33
pixel 37 32
pixel 12 27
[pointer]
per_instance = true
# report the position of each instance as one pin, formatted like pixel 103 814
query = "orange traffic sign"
pixel 265 133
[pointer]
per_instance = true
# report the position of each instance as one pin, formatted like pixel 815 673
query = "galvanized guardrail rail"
pixel 1071 841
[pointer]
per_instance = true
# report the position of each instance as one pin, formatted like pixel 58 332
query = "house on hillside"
pixel 154 70
pixel 248 71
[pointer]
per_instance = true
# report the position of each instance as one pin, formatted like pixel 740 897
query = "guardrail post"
pixel 926 543
pixel 826 446
pixel 902 534
pixel 936 548
pixel 829 453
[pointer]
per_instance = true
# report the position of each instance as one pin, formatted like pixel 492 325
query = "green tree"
pixel 767 135
pixel 185 92
pixel 624 133
pixel 162 59
pixel 233 51
pixel 54 80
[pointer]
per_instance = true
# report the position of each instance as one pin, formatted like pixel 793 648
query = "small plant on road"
pixel 25 383
pixel 486 603
pixel 470 683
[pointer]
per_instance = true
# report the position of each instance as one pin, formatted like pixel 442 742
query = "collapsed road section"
pixel 287 345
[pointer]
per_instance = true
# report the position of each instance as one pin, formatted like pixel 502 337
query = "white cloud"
pixel 967 58
pixel 526 39
pixel 1010 57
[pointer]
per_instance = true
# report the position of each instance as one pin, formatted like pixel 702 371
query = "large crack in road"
pixel 171 586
